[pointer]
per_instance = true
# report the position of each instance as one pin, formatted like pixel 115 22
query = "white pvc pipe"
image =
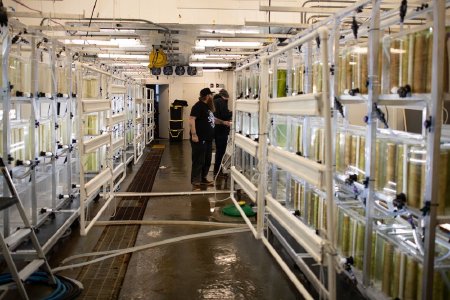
pixel 160 194
pixel 287 270
pixel 114 253
pixel 168 222
pixel 244 216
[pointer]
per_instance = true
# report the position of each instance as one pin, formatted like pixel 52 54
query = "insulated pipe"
pixel 114 253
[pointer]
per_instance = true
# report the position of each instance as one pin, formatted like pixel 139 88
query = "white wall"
pixel 179 87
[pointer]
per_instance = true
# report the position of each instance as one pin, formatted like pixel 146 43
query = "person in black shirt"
pixel 201 125
pixel 222 130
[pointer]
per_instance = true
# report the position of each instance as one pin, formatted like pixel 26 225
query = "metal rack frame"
pixel 318 247
pixel 245 146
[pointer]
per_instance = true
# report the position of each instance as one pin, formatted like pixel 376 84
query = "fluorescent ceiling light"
pixel 112 42
pixel 212 65
pixel 219 43
pixel 215 56
pixel 212 70
pixel 129 56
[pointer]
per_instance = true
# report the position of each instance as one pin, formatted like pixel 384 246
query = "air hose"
pixel 114 253
pixel 65 288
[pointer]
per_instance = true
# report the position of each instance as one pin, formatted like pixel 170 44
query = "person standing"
pixel 222 130
pixel 201 125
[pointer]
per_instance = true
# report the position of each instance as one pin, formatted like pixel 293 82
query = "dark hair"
pixel 224 94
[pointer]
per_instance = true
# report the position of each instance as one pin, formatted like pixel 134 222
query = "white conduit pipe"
pixel 287 270
pixel 244 216
pixel 161 194
pixel 169 222
pixel 114 253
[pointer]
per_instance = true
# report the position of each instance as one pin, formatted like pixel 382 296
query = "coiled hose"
pixel 65 289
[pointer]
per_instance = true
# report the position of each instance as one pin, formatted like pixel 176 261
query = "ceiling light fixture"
pixel 212 65
pixel 220 43
pixel 212 70
pixel 129 56
pixel 121 43
pixel 215 56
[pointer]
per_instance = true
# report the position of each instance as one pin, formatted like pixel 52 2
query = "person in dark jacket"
pixel 221 131
pixel 201 125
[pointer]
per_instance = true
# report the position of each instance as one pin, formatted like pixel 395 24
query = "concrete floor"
pixel 235 266
pixel 229 267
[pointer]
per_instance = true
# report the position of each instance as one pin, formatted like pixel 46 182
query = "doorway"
pixel 161 110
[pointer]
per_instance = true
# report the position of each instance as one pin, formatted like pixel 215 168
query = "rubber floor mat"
pixel 103 280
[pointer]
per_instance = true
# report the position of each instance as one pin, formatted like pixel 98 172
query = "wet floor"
pixel 235 266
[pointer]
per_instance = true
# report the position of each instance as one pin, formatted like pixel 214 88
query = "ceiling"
pixel 216 33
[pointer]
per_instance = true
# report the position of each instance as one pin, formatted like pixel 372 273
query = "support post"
pixel 374 39
pixel 6 46
pixel 262 146
pixel 433 146
pixel 54 118
pixel 33 126
pixel 328 164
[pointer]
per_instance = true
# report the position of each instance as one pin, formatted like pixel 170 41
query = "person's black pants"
pixel 221 146
pixel 201 160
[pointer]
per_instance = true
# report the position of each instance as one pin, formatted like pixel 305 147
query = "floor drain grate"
pixel 104 279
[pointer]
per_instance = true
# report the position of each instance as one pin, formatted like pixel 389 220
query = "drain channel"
pixel 104 280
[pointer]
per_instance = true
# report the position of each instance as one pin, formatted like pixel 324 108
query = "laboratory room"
pixel 227 149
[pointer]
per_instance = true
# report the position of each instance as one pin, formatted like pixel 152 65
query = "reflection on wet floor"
pixel 228 267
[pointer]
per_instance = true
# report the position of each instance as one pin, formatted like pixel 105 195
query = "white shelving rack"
pixel 63 127
pixel 403 239
pixel 408 244
pixel 129 128
pixel 149 115
pixel 37 132
pixel 95 139
pixel 117 93
pixel 259 154
pixel 138 121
